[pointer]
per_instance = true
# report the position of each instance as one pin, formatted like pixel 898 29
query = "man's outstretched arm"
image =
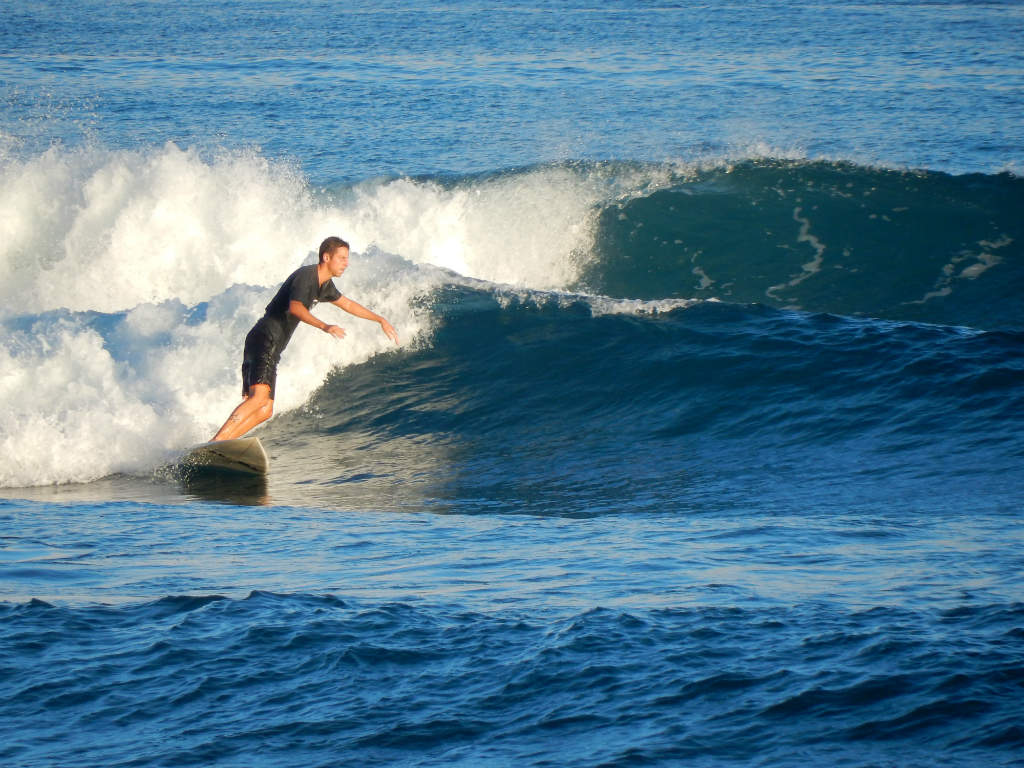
pixel 358 310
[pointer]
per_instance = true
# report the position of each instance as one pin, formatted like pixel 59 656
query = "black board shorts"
pixel 259 360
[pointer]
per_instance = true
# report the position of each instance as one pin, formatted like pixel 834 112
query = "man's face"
pixel 337 262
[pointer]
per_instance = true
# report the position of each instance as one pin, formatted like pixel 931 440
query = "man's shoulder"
pixel 306 271
pixel 304 276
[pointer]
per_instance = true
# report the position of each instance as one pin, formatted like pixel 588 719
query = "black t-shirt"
pixel 303 286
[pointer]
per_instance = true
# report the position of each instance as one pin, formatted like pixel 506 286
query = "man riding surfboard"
pixel 266 341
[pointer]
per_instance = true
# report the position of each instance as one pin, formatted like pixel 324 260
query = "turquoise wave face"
pixel 824 237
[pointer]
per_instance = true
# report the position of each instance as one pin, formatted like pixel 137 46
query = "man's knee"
pixel 260 394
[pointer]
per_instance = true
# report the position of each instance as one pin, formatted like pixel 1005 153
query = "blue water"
pixel 703 445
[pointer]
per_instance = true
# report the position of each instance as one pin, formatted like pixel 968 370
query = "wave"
pixel 561 393
pixel 98 230
pixel 131 278
pixel 824 237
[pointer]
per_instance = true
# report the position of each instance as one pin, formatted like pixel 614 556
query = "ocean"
pixel 704 444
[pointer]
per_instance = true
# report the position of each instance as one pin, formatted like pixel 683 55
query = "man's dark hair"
pixel 330 245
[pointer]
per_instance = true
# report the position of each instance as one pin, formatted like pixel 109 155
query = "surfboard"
pixel 244 454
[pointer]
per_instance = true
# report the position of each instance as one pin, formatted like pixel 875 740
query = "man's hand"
pixel 388 330
pixel 335 330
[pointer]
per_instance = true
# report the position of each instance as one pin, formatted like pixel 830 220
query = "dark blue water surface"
pixel 703 445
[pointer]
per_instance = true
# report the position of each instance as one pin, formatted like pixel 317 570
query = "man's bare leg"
pixel 252 411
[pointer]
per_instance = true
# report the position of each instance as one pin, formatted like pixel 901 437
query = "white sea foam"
pixel 531 229
pixel 91 229
pixel 94 229
pixel 131 277
pixel 598 306
pixel 87 395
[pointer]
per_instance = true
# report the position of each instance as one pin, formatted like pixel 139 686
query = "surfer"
pixel 266 341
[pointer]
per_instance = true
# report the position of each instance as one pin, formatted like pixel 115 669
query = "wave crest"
pixel 824 237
